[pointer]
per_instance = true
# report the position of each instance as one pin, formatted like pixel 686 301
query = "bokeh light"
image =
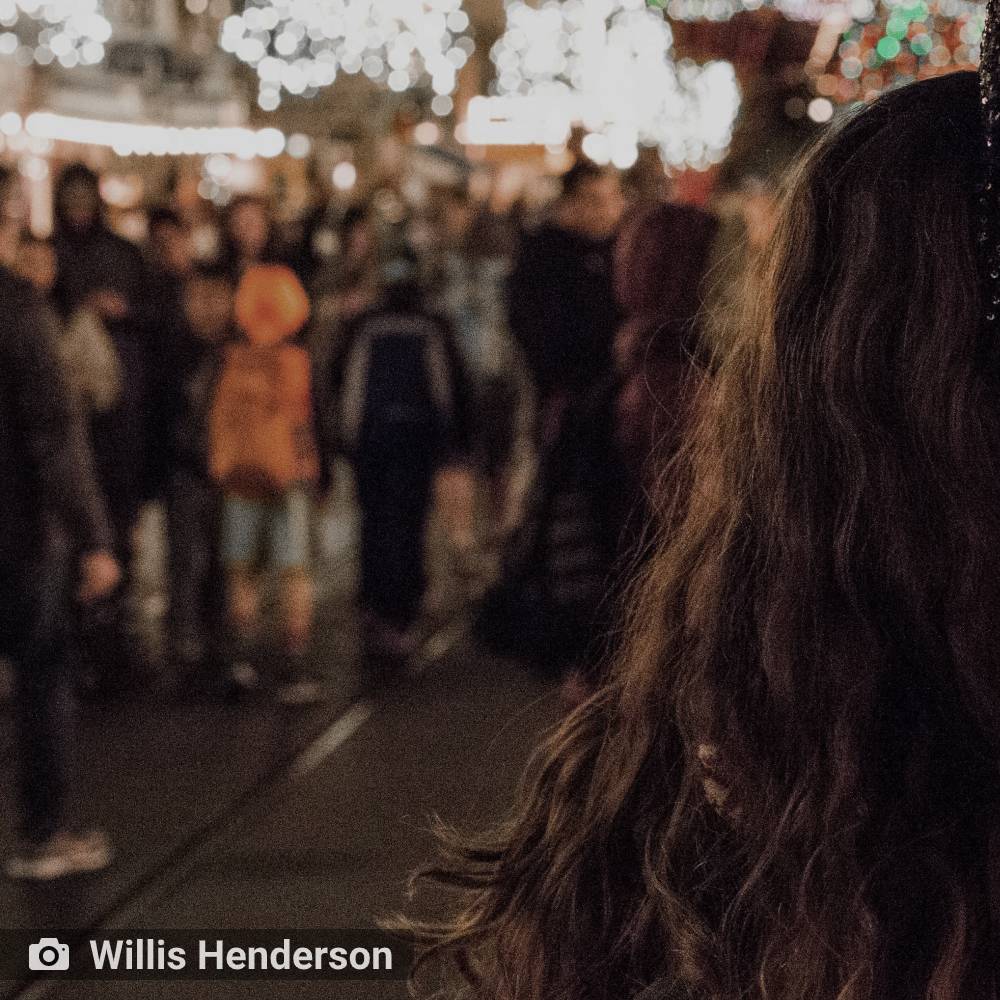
pixel 68 32
pixel 608 65
pixel 300 46
pixel 890 44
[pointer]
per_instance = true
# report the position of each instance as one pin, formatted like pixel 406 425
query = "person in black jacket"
pixel 44 490
pixel 404 413
pixel 562 304
pixel 196 623
pixel 104 273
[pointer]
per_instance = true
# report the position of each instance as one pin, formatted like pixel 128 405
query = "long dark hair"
pixel 820 628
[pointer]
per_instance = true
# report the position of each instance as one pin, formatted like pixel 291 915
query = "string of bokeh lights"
pixel 300 46
pixel 888 45
pixel 69 32
pixel 608 66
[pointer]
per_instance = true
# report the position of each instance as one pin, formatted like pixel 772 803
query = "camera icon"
pixel 49 955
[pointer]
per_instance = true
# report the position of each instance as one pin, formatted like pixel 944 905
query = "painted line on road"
pixel 325 746
pixel 347 725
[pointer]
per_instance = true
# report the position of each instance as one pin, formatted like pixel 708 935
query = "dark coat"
pixel 92 260
pixel 563 311
pixel 351 373
pixel 40 474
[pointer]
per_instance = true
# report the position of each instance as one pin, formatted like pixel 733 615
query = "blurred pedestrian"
pixel 44 490
pixel 104 274
pixel 196 628
pixel 249 235
pixel 357 270
pixel 563 310
pixel 403 401
pixel 267 454
pixel 552 601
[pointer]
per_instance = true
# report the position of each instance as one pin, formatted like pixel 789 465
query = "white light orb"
pixel 72 32
pixel 608 65
pixel 299 46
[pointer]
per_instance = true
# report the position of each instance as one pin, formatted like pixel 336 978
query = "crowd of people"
pixel 225 387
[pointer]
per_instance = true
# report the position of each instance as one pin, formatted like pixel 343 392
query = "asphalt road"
pixel 254 816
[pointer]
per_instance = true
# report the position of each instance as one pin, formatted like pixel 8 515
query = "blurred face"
pixel 250 228
pixel 597 206
pixel 37 264
pixel 171 246
pixel 80 205
pixel 208 306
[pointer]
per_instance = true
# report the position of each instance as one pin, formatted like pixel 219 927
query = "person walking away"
pixel 83 345
pixel 550 603
pixel 403 403
pixel 43 484
pixel 562 305
pixel 104 274
pixel 265 453
pixel 169 258
pixel 196 619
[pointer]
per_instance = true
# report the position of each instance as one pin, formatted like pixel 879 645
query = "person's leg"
pixel 291 555
pixel 242 526
pixel 395 487
pixel 44 700
pixel 187 568
pixel 407 538
pixel 44 719
pixel 373 477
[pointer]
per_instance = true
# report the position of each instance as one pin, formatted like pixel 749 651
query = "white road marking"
pixel 325 746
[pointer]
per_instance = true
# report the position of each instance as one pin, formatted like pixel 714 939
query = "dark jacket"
pixel 562 309
pixel 93 260
pixel 40 474
pixel 408 357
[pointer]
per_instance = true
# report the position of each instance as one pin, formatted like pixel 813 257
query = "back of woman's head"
pixel 816 644
pixel 661 258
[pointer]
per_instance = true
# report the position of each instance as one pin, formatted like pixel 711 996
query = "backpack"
pixel 397 380
pixel 261 433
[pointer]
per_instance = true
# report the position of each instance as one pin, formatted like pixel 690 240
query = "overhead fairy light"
pixel 608 66
pixel 723 10
pixel 130 139
pixel 890 44
pixel 300 46
pixel 68 32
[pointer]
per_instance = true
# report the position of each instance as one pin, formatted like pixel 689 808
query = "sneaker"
pixel 244 676
pixel 302 692
pixel 63 854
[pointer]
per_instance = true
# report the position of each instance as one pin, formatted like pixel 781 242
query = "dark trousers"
pixel 36 634
pixel 196 622
pixel 395 479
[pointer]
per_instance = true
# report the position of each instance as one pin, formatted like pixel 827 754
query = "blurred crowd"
pixel 525 374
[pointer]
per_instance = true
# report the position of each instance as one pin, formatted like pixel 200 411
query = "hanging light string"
pixel 301 46
pixel 69 32
pixel 609 66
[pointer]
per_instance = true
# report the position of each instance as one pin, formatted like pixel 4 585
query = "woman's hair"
pixel 821 623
